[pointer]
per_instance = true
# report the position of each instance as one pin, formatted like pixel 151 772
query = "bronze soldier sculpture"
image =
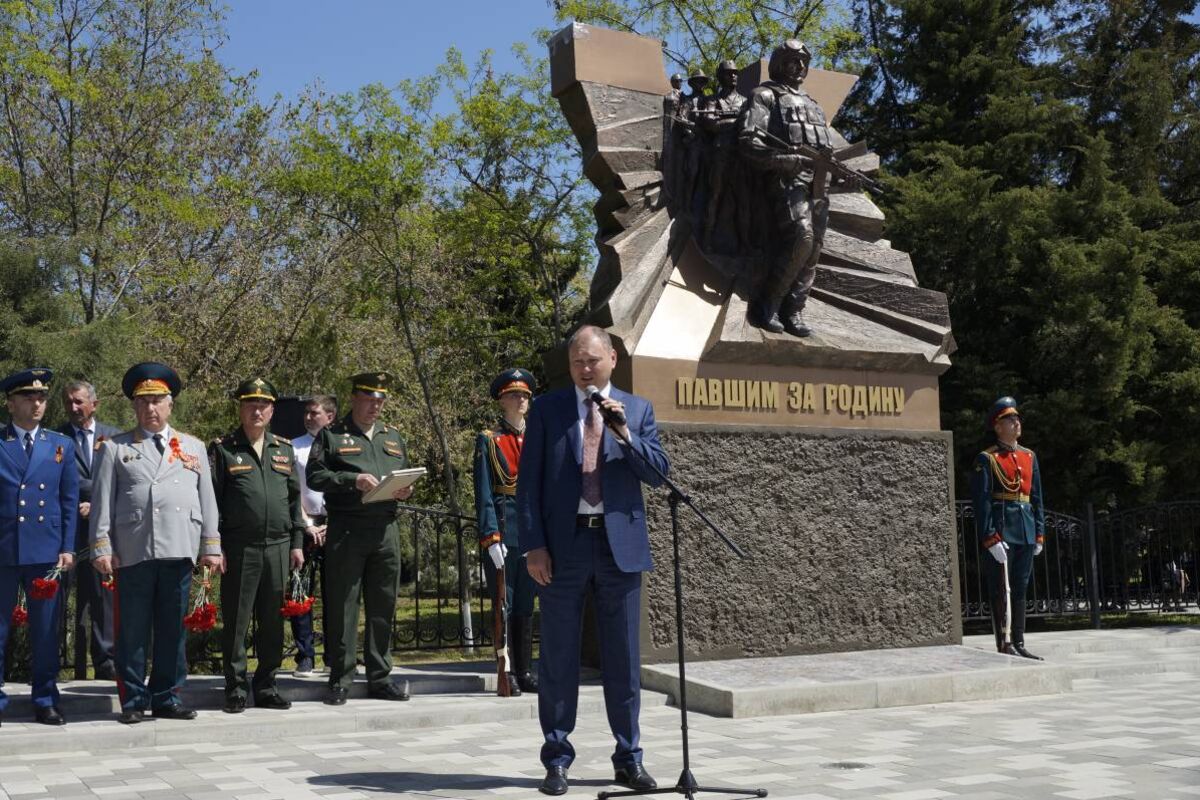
pixel 779 116
pixel 719 119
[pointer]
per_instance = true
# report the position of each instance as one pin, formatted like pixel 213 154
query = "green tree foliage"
pixel 1033 149
pixel 699 35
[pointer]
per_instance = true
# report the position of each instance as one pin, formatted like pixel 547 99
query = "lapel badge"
pixel 239 459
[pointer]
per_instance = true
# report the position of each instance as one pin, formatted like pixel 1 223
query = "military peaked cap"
pixel 1004 407
pixel 514 379
pixel 256 389
pixel 35 379
pixel 150 378
pixel 375 384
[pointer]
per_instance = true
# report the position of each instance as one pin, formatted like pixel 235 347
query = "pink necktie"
pixel 593 431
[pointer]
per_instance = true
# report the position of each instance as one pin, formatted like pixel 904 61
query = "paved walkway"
pixel 1129 738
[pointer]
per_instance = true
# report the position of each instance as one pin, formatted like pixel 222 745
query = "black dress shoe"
pixel 337 696
pixel 528 682
pixel 1008 650
pixel 49 715
pixel 106 672
pixel 389 691
pixel 1023 653
pixel 635 777
pixel 555 782
pixel 514 686
pixel 234 704
pixel 273 700
pixel 131 716
pixel 173 711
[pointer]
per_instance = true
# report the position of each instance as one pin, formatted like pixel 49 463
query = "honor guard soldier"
pixel 497 455
pixel 1006 491
pixel 39 497
pixel 153 510
pixel 262 538
pixel 362 541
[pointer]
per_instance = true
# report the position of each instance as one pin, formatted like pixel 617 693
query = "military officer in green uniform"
pixel 362 541
pixel 262 535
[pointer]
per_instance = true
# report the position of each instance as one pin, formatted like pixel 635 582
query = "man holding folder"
pixel 362 542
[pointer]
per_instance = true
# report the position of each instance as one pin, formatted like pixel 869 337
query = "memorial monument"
pixel 790 352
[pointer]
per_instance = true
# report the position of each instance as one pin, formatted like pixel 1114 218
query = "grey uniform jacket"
pixel 147 506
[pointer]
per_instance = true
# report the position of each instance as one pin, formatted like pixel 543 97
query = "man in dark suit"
pixel 39 493
pixel 583 525
pixel 93 602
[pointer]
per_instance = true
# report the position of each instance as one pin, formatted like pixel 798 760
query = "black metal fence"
pixel 1142 559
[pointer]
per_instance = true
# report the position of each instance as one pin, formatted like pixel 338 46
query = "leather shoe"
pixel 234 704
pixel 49 715
pixel 389 691
pixel 131 716
pixel 173 711
pixel 1008 650
pixel 528 682
pixel 555 782
pixel 794 324
pixel 635 777
pixel 514 686
pixel 337 696
pixel 106 672
pixel 274 700
pixel 1023 653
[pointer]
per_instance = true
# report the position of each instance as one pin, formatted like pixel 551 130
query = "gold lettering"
pixel 683 391
pixel 810 398
pixel 844 398
pixel 899 393
pixel 735 394
pixel 873 401
pixel 795 396
pixel 830 397
pixel 888 406
pixel 770 394
pixel 858 405
pixel 714 393
pixel 700 393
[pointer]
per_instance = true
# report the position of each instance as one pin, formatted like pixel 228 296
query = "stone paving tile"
pixel 1107 739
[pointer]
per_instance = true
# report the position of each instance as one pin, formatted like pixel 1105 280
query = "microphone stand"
pixel 686 785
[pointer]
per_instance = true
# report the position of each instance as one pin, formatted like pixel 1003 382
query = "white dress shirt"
pixel 312 502
pixel 582 403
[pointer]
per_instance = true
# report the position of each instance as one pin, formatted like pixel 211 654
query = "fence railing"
pixel 1141 559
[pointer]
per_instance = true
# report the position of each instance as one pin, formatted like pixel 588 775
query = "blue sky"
pixel 349 43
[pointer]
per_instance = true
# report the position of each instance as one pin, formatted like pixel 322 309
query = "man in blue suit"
pixel 583 526
pixel 39 495
pixel 93 602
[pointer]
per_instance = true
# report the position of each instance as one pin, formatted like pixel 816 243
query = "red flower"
pixel 109 582
pixel 203 618
pixel 44 588
pixel 20 617
pixel 296 608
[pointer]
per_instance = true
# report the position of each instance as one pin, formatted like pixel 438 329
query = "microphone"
pixel 611 416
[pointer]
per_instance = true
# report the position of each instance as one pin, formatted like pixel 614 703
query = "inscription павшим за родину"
pixel 795 396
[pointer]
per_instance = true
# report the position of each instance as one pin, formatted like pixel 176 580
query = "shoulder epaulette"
pixel 279 438
pixel 56 433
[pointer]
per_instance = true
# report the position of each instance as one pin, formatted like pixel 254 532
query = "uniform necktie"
pixel 85 446
pixel 593 431
pixel 158 445
pixel 28 444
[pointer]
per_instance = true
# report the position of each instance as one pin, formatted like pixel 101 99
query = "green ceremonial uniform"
pixel 362 546
pixel 261 520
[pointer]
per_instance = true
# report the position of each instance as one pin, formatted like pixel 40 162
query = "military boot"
pixel 522 650
pixel 793 319
pixel 764 314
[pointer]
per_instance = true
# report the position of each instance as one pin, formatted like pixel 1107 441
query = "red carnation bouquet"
pixel 45 588
pixel 203 616
pixel 297 603
pixel 20 616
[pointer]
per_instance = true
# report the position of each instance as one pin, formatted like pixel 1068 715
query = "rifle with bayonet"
pixel 500 634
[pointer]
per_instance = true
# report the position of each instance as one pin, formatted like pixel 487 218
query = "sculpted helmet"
pixel 726 66
pixel 792 48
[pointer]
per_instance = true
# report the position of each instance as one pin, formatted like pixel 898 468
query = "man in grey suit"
pixel 93 602
pixel 153 508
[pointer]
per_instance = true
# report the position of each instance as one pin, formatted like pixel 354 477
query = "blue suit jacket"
pixel 99 434
pixel 39 498
pixel 550 478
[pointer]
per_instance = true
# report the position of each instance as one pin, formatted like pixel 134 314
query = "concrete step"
pixel 208 691
pixel 1107 654
pixel 92 733
pixel 864 679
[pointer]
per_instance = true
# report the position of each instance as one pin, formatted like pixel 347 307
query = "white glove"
pixel 498 551
pixel 999 552
pixel 1037 551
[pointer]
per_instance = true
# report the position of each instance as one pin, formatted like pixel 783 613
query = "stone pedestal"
pixel 850 538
